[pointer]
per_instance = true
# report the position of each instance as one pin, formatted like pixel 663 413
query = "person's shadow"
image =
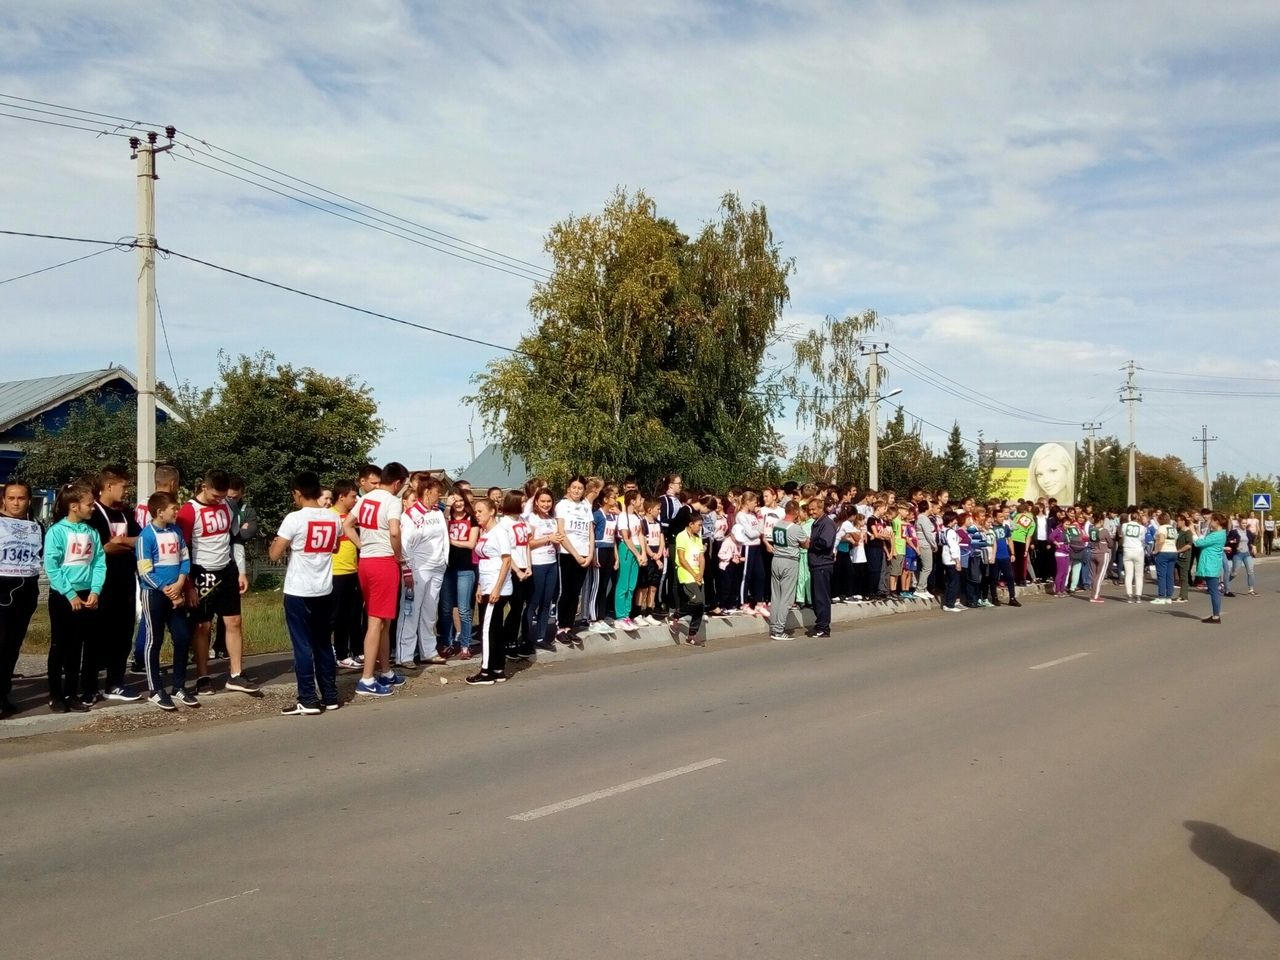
pixel 1254 870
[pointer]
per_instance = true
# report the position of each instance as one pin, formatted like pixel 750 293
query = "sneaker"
pixel 838 600
pixel 392 680
pixel 350 663
pixel 481 679
pixel 333 706
pixel 184 697
pixel 498 677
pixel 204 687
pixel 302 710
pixel 777 636
pixel 58 706
pixel 1211 620
pixel 818 634
pixel 955 609
pixel 137 669
pixel 241 684
pixel 1228 594
pixel 1178 600
pixel 1252 593
pixel 695 641
pixel 1096 600
pixel 162 700
pixel 121 695
pixel 76 705
pixel 600 627
pixel 372 688
pixel 625 624
pixel 1015 603
pixel 91 698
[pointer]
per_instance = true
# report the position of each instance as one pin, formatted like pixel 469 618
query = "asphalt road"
pixel 1064 780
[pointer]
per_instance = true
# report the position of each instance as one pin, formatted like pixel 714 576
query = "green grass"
pixel 264 628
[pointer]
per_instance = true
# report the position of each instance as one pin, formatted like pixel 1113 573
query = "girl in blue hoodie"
pixel 76 568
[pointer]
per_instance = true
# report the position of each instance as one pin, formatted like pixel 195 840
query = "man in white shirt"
pixel 310 536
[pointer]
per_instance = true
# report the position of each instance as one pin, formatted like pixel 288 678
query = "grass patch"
pixel 264 627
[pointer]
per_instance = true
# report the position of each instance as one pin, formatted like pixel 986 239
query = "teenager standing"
pixel 493 592
pixel 118 530
pixel 574 525
pixel 77 569
pixel 164 565
pixel 374 526
pixel 21 546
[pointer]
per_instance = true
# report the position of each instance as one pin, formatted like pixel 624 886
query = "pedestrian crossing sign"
pixel 1262 501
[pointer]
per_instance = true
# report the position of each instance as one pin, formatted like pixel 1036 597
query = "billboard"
pixel 1035 469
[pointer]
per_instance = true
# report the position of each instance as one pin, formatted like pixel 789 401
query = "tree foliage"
pixel 648 348
pixel 829 383
pixel 1231 495
pixel 264 420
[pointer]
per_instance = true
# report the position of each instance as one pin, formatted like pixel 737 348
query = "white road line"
pixel 1054 663
pixel 614 791
pixel 210 903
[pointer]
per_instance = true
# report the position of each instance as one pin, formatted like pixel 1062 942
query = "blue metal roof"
pixel 23 399
pixel 489 470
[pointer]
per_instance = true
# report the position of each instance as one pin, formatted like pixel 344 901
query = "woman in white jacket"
pixel 424 542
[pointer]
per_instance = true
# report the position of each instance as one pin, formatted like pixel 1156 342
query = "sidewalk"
pixel 275 674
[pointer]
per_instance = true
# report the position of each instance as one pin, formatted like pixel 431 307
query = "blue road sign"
pixel 1262 501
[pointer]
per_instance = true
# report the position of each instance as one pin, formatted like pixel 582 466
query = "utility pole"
pixel 1129 394
pixel 145 154
pixel 1204 440
pixel 1092 430
pixel 873 350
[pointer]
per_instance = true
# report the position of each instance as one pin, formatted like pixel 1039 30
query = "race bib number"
pixel 167 547
pixel 367 513
pixel 321 537
pixel 214 520
pixel 779 536
pixel 79 550
pixel 20 549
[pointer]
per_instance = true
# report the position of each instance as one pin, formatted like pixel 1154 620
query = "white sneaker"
pixel 600 627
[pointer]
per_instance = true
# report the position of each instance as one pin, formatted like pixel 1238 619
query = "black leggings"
pixel 68 666
pixel 18 598
pixel 572 573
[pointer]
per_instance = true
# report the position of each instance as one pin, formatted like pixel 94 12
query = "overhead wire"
pixel 89 113
pixel 477 249
pixel 64 263
pixel 169 350
pixel 1208 376
pixel 70 126
pixel 402 236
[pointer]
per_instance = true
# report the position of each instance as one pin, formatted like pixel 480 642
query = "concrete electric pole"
pixel 1092 430
pixel 145 154
pixel 1129 394
pixel 873 350
pixel 1204 440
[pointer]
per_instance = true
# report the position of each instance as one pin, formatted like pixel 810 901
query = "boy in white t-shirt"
pixel 310 535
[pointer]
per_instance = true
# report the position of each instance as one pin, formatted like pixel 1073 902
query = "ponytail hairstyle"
pixel 68 494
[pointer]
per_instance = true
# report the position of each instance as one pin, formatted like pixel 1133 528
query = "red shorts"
pixel 380 585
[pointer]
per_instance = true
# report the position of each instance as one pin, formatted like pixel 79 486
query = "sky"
pixel 1029 194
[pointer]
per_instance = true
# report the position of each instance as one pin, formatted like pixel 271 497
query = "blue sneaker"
pixel 391 680
pixel 372 688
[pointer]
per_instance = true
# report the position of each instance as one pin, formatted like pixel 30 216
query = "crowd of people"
pixel 391 571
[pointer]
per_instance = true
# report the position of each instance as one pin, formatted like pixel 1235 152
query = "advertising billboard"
pixel 1035 469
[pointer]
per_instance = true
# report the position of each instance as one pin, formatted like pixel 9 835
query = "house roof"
pixel 490 470
pixel 23 399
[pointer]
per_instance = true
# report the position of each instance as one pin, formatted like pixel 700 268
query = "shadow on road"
pixel 1254 870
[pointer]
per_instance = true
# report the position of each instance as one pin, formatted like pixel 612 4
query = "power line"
pixel 347 306
pixel 90 113
pixel 1207 376
pixel 991 408
pixel 69 126
pixel 64 263
pixel 1025 414
pixel 401 236
pixel 479 249
pixel 121 244
pixel 1214 393
pixel 165 330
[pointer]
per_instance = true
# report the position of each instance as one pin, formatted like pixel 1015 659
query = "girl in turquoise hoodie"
pixel 77 568
pixel 1209 565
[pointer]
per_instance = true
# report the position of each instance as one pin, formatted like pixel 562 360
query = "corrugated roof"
pixel 22 399
pixel 489 470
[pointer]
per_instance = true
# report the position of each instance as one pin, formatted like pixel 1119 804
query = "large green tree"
pixel 647 355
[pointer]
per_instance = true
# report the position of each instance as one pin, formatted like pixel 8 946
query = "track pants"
pixel 572 573
pixel 158 614
pixel 692 605
pixel 625 592
pixel 109 649
pixel 416 626
pixel 348 637
pixel 1133 563
pixel 753 586
pixel 308 619
pixel 493 638
pixel 1098 567
pixel 606 576
pixel 68 672
pixel 782 592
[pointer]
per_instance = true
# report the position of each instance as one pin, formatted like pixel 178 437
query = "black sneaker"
pixel 7 708
pixel 58 706
pixel 1228 594
pixel 818 634
pixel 302 710
pixel 1212 620
pixel 137 669
pixel 184 697
pixel 1015 603
pixel 481 679
pixel 122 695
pixel 498 677
pixel 204 687
pixel 76 705
pixel 162 700
pixel 241 684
